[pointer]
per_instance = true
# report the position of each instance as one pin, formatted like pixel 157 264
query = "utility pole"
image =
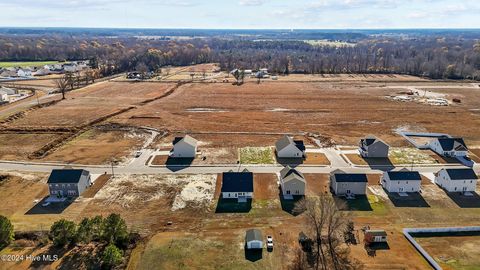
pixel 113 163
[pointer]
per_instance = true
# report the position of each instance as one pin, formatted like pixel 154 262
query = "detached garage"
pixel 253 239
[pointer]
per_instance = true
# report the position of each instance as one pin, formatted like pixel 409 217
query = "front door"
pixel 400 189
pixel 348 191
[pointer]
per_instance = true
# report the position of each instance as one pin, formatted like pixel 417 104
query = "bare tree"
pixel 62 84
pixel 326 225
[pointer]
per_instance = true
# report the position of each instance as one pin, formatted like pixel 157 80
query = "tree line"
pixel 110 232
pixel 433 56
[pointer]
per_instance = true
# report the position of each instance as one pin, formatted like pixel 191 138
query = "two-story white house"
pixel 342 183
pixel 68 182
pixel 237 185
pixel 449 147
pixel 184 147
pixel 286 147
pixel 401 181
pixel 457 180
pixel 292 182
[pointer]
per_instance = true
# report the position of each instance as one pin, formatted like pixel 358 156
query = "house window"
pixel 71 193
pixel 288 192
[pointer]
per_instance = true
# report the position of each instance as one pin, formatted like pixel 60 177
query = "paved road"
pixel 139 167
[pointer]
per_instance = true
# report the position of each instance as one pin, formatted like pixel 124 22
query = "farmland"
pixel 26 64
pixel 234 125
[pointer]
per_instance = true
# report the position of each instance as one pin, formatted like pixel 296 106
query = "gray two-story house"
pixel 68 182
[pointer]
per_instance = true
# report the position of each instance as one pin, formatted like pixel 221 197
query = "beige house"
pixel 292 183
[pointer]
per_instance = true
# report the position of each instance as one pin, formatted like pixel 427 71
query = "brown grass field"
pixel 98 147
pixel 323 108
pixel 90 103
pixel 224 118
pixel 194 228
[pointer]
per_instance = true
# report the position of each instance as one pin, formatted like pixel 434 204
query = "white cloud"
pixel 252 2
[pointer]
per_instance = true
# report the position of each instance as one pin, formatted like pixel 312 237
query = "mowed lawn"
pixel 26 64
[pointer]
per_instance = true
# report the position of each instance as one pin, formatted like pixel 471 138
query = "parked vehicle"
pixel 138 154
pixel 269 242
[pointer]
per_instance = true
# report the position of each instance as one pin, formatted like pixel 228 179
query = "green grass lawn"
pixel 26 64
pixel 256 155
pixel 190 252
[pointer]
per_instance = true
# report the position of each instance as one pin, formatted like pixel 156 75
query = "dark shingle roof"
pixel 450 144
pixel 351 177
pixel 399 176
pixel 376 232
pixel 288 173
pixel 237 182
pixel 461 174
pixel 253 234
pixel 66 176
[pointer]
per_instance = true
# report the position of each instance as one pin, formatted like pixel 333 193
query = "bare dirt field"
pixel 188 201
pixel 322 108
pixel 316 159
pixel 90 103
pixel 99 147
pixel 453 252
pixel 18 146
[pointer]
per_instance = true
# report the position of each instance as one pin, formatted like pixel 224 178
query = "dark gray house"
pixel 237 185
pixel 68 182
pixel 373 147
pixel 342 183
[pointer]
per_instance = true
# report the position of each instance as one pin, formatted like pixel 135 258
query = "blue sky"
pixel 285 14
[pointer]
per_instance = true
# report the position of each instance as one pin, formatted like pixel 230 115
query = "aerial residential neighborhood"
pixel 290 135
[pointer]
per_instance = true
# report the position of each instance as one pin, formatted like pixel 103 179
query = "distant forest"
pixel 435 54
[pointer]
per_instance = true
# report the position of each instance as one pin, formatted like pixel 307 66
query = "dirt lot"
pixel 18 146
pixel 90 103
pixel 453 252
pixel 188 201
pixel 324 108
pixel 99 147
pixel 316 159
pixel 220 148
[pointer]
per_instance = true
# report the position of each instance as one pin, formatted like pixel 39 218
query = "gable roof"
pixel 461 174
pixel 66 176
pixel 186 139
pixel 452 144
pixel 288 174
pixel 237 182
pixel 286 141
pixel 351 177
pixel 404 176
pixel 376 232
pixel 253 235
pixel 371 139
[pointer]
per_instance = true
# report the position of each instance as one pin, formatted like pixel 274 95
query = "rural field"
pixel 185 211
pixel 26 64
pixel 180 216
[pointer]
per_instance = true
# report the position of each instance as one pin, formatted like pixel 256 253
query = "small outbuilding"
pixel 286 147
pixel 348 184
pixel 375 236
pixel 373 147
pixel 457 180
pixel 237 185
pixel 68 182
pixel 449 147
pixel 184 147
pixel 401 181
pixel 292 182
pixel 253 239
